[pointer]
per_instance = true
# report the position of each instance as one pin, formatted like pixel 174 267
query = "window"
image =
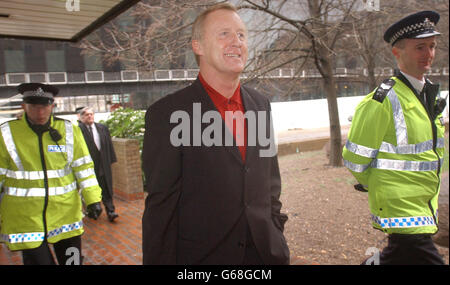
pixel 55 61
pixel 14 61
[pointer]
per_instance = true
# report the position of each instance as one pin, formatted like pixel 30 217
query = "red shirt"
pixel 233 104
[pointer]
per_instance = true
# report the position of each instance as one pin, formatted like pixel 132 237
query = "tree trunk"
pixel 371 73
pixel 324 64
pixel 335 126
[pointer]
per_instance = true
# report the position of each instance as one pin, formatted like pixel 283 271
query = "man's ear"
pixel 197 47
pixel 396 52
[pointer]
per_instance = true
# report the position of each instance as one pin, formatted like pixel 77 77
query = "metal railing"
pixel 13 79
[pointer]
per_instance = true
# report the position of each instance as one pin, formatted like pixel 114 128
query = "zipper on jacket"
pixel 438 171
pixel 44 169
pixel 402 78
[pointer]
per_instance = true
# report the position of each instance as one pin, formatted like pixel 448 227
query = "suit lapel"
pixel 250 105
pixel 208 105
pixel 86 132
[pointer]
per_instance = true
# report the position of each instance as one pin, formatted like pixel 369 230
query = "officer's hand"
pixel 360 187
pixel 94 210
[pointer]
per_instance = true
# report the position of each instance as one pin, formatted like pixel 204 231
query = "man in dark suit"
pixel 98 140
pixel 209 201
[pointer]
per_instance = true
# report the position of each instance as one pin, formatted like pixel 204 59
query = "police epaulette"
pixel 383 90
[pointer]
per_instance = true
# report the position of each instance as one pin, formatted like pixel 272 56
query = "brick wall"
pixel 127 174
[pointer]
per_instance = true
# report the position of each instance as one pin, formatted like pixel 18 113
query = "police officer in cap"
pixel 44 163
pixel 395 146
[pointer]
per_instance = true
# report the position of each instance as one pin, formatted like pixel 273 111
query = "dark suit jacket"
pixel 103 158
pixel 203 199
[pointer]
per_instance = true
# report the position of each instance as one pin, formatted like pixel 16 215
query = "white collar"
pixel 416 83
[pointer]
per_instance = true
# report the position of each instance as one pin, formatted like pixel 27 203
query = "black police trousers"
pixel 410 249
pixel 67 251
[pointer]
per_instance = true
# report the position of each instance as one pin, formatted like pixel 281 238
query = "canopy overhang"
pixel 62 20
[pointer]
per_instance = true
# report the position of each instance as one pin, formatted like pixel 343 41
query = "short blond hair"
pixel 197 27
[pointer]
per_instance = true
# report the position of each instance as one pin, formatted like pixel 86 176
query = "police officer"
pixel 395 146
pixel 44 161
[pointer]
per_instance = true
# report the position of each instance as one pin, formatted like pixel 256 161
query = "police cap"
pixel 415 26
pixel 37 93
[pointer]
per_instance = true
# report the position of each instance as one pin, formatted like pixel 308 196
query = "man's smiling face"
pixel 223 47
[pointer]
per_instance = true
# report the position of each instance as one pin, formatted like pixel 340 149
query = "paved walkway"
pixel 300 135
pixel 104 242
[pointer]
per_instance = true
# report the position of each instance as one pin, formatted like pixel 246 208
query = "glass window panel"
pixel 55 60
pixel 14 61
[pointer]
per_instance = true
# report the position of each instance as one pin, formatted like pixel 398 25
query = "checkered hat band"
pixel 39 236
pixel 417 28
pixel 403 222
pixel 39 94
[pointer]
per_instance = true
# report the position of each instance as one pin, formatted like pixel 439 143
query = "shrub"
pixel 127 123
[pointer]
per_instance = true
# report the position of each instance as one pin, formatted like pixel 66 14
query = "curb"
pixel 302 146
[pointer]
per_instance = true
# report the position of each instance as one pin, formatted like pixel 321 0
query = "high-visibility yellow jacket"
pixel 396 149
pixel 39 181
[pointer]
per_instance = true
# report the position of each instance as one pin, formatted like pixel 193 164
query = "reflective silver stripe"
pixel 40 192
pixel 361 150
pixel 411 148
pixel 88 183
pixel 39 236
pixel 403 222
pixel 405 165
pixel 81 161
pixel 69 141
pixel 84 173
pixel 10 146
pixel 3 171
pixel 399 120
pixel 37 175
pixel 32 175
pixel 355 167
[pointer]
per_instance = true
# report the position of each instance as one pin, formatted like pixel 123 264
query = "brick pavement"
pixel 105 243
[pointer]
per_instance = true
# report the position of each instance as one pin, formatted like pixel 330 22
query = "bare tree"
pixel 368 29
pixel 156 37
pixel 318 31
pixel 323 26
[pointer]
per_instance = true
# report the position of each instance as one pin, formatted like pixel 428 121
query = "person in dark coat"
pixel 212 203
pixel 98 140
